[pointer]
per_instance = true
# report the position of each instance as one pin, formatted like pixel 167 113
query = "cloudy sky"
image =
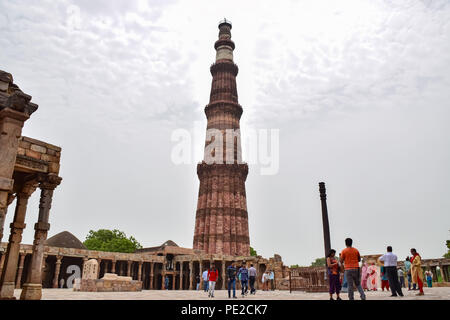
pixel 360 91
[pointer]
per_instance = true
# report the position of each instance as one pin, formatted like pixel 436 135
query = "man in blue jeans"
pixel 243 273
pixel 231 276
pixel 205 280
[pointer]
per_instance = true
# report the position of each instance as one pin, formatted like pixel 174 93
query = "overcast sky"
pixel 360 91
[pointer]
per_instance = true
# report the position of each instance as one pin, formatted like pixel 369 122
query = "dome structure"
pixel 65 240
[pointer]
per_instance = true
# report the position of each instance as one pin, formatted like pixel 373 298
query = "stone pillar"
pixel 85 259
pixel 32 289
pixel 15 109
pixel 200 268
pixel 2 261
pixel 441 270
pixel 3 212
pixel 224 275
pixel 174 277
pixel 113 266
pixel 44 258
pixel 57 270
pixel 129 268
pixel 20 270
pixel 181 275
pixel 152 275
pixel 140 271
pixel 8 279
pixel 191 274
pixel 99 267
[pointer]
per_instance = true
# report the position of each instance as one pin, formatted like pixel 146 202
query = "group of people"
pixel 245 276
pixel 366 277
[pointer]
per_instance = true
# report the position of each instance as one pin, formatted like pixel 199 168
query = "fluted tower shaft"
pixel 221 225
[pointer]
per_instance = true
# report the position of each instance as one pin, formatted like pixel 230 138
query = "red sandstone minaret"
pixel 221 224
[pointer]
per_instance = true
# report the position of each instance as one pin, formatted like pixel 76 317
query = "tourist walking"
pixel 401 277
pixel 333 275
pixel 252 278
pixel 265 281
pixel 408 273
pixel 243 276
pixel 384 279
pixel 364 275
pixel 166 282
pixel 416 270
pixel 372 277
pixel 231 277
pixel 350 258
pixel 390 266
pixel 429 277
pixel 197 281
pixel 213 274
pixel 272 280
pixel 205 280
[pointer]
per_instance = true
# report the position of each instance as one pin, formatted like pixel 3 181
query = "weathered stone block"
pixel 33 154
pixel 53 167
pixel 38 148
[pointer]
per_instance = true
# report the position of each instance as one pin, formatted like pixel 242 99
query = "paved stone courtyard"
pixel 69 294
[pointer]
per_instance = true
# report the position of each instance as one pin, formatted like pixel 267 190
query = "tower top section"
pixel 225 21
pixel 224 46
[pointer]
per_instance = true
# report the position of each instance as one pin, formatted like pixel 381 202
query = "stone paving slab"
pixel 69 294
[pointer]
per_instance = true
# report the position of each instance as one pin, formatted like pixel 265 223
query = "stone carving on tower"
pixel 221 225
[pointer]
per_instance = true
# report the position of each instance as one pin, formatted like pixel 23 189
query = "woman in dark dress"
pixel 333 275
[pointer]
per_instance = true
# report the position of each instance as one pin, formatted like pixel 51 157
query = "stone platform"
pixel 442 293
pixel 109 283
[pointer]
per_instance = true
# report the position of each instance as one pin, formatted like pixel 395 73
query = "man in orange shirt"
pixel 350 257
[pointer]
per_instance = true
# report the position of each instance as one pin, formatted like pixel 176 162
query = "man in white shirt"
pixel 390 265
pixel 205 281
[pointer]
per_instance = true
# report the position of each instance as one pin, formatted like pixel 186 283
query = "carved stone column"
pixel 43 267
pixel 2 261
pixel 174 277
pixel 85 259
pixel 200 268
pixel 129 268
pixel 140 271
pixel 8 279
pixel 15 109
pixel 99 261
pixel 32 289
pixel 57 270
pixel 181 275
pixel 113 266
pixel 441 269
pixel 191 274
pixel 20 270
pixel 152 276
pixel 224 276
pixel 3 212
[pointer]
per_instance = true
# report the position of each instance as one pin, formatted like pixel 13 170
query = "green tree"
pixel 294 266
pixel 111 241
pixel 447 255
pixel 253 252
pixel 319 262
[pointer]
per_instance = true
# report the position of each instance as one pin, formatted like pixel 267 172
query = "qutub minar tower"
pixel 221 225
